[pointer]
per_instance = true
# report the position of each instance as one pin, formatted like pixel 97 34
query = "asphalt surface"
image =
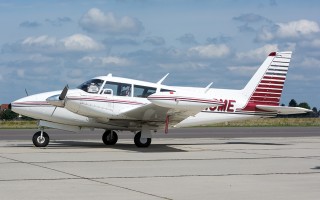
pixel 214 163
pixel 215 132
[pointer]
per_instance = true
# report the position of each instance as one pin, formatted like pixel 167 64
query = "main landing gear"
pixel 111 137
pixel 40 139
pixel 140 141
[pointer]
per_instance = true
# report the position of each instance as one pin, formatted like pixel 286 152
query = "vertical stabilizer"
pixel 265 87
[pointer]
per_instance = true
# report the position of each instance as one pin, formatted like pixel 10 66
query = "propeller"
pixel 64 93
pixel 58 100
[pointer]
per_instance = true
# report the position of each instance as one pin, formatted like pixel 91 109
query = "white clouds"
pixel 155 40
pixel 313 43
pixel 242 70
pixel 310 62
pixel 41 41
pixel 38 58
pixel 114 60
pixel 259 53
pixel 297 28
pixel 98 22
pixel 73 43
pixel 79 42
pixel 183 66
pixel 210 51
pixel 294 29
pixel 105 61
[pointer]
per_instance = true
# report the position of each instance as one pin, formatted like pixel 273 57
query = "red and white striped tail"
pixel 265 87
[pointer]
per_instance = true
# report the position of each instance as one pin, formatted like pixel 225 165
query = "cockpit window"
pixel 91 86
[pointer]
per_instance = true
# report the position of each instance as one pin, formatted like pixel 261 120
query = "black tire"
pixel 38 142
pixel 141 142
pixel 110 139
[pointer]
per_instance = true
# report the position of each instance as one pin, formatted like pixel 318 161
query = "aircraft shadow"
pixel 153 148
pixel 128 147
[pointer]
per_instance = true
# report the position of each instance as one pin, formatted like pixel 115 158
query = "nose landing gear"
pixel 40 139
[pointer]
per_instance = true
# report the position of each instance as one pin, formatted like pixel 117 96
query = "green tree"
pixel 293 103
pixel 304 105
pixel 8 115
pixel 315 112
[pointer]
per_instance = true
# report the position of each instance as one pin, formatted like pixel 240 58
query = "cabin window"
pixel 91 86
pixel 118 89
pixel 143 91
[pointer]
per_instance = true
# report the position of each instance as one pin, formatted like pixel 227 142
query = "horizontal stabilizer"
pixel 284 110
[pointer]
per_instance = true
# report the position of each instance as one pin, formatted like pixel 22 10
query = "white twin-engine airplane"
pixel 117 104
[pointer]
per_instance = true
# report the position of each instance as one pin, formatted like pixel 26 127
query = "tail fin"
pixel 265 87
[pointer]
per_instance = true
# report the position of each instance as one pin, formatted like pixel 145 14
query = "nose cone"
pixel 26 106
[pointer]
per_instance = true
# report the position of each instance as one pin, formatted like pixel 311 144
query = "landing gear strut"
pixel 110 137
pixel 40 139
pixel 141 142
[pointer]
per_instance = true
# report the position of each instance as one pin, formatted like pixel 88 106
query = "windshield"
pixel 91 86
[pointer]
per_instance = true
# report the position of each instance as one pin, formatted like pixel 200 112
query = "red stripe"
pixel 268 90
pixel 270 86
pixel 265 94
pixel 274 78
pixel 272 82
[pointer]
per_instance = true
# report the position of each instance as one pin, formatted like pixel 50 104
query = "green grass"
pixel 18 124
pixel 271 122
pixel 266 122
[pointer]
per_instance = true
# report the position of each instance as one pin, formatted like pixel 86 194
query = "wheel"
pixel 141 142
pixel 108 138
pixel 40 142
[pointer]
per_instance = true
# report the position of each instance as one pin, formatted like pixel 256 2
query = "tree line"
pixel 293 103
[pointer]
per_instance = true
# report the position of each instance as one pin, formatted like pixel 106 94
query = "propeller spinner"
pixel 58 100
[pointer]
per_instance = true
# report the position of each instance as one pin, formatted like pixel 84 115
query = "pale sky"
pixel 48 44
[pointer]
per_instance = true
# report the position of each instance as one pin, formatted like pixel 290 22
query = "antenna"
pixel 161 80
pixel 206 89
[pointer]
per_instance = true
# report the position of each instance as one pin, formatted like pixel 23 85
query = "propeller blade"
pixel 54 111
pixel 64 93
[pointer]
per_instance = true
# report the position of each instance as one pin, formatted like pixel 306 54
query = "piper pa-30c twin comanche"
pixel 118 104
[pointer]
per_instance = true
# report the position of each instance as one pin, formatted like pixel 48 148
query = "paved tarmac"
pixel 257 165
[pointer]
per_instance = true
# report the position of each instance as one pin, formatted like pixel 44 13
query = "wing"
pixel 177 107
pixel 155 113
